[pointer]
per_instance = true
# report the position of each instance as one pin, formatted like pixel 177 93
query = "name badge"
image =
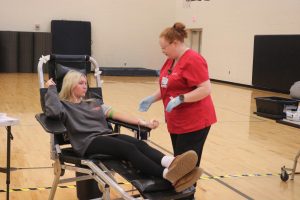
pixel 164 82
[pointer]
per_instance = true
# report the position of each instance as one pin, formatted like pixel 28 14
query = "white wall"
pixel 229 27
pixel 126 31
pixel 123 31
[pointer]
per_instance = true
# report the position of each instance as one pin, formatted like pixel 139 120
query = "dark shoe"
pixel 181 165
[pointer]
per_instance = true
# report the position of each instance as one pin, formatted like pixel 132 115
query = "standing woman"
pixel 185 91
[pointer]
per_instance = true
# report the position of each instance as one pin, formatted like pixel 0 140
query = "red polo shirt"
pixel 190 71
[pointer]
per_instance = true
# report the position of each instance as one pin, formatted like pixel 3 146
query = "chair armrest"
pixel 50 125
pixel 141 131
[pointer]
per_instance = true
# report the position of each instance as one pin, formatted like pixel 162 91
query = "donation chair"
pixel 100 168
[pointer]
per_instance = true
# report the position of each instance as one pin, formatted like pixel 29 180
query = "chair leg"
pixel 106 194
pixel 57 174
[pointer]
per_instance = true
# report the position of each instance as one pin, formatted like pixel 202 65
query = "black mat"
pixel 71 37
pixel 128 71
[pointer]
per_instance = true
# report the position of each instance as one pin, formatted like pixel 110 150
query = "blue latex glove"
pixel 146 103
pixel 173 103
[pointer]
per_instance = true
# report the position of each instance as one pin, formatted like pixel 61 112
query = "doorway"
pixel 194 39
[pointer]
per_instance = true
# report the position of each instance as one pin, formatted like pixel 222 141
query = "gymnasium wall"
pixel 229 27
pixel 124 32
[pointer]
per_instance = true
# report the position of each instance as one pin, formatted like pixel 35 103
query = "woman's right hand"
pixel 50 82
pixel 146 103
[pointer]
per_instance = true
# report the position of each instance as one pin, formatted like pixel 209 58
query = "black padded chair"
pixel 100 168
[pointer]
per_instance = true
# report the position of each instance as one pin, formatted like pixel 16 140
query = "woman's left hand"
pixel 50 82
pixel 173 103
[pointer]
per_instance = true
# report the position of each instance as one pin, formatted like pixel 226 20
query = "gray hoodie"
pixel 84 121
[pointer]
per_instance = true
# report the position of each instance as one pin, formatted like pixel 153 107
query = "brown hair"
pixel 176 32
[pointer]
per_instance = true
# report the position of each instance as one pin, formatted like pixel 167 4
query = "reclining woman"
pixel 85 120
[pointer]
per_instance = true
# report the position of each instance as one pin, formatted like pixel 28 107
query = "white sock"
pixel 165 172
pixel 167 160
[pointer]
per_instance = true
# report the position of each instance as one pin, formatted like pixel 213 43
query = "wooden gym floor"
pixel 239 146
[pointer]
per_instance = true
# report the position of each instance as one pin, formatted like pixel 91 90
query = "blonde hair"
pixel 71 79
pixel 176 32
